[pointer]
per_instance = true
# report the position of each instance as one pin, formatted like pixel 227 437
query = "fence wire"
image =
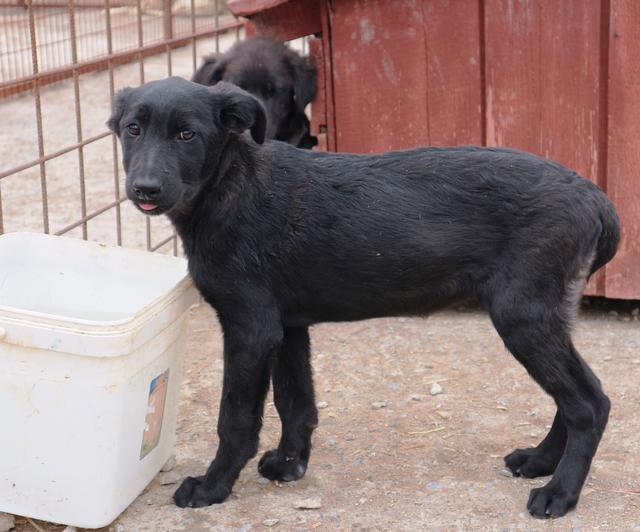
pixel 61 63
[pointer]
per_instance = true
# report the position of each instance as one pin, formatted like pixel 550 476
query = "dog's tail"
pixel 609 238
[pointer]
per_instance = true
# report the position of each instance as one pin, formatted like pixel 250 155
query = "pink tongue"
pixel 147 206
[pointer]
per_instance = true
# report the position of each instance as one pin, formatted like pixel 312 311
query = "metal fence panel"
pixel 59 166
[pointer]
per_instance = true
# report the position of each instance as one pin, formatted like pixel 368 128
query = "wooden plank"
pixel 405 73
pixel 319 104
pixel 543 83
pixel 249 29
pixel 454 84
pixel 542 75
pixel 379 75
pixel 246 8
pixel 623 183
pixel 284 20
pixel 327 46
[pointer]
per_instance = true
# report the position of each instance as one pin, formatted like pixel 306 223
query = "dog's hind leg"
pixel 537 334
pixel 543 459
pixel 250 340
pixel 294 400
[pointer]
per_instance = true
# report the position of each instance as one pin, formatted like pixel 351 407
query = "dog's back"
pixel 355 236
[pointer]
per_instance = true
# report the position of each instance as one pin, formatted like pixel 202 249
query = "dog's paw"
pixel 193 494
pixel 550 501
pixel 273 467
pixel 531 463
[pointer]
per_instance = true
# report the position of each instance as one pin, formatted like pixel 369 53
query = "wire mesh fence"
pixel 59 166
pixel 92 28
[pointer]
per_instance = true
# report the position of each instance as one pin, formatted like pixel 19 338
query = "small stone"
pixel 443 414
pixel 435 389
pixel 169 464
pixel 270 522
pixel 626 318
pixel 379 404
pixel 7 522
pixel 613 313
pixel 331 440
pixel 119 528
pixel 70 529
pixel 322 404
pixel 635 312
pixel 505 473
pixel 636 361
pixel 416 397
pixel 607 358
pixel 311 503
pixel 168 478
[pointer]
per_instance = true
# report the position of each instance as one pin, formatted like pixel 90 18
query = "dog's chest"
pixel 218 277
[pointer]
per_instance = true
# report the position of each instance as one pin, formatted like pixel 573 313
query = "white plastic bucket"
pixel 91 342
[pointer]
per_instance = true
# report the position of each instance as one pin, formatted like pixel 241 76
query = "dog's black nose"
pixel 147 189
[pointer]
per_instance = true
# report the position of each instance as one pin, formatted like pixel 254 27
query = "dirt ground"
pixel 387 454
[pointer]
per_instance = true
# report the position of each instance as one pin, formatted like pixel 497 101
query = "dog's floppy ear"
pixel 119 105
pixel 303 72
pixel 238 110
pixel 211 70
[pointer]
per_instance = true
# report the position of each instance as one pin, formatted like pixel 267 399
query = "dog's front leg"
pixel 248 344
pixel 294 399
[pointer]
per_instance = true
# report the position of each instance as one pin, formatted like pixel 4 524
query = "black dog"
pixel 284 82
pixel 280 238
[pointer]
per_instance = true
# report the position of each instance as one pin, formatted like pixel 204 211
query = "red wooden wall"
pixel 405 74
pixel 560 78
pixel 623 147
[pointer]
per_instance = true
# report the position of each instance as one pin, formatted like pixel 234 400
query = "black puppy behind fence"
pixel 61 62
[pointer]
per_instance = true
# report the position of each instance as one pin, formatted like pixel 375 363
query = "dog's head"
pixel 173 132
pixel 284 81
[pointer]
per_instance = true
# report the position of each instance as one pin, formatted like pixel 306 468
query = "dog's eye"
pixel 187 134
pixel 133 129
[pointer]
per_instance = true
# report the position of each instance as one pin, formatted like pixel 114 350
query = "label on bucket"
pixel 155 412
